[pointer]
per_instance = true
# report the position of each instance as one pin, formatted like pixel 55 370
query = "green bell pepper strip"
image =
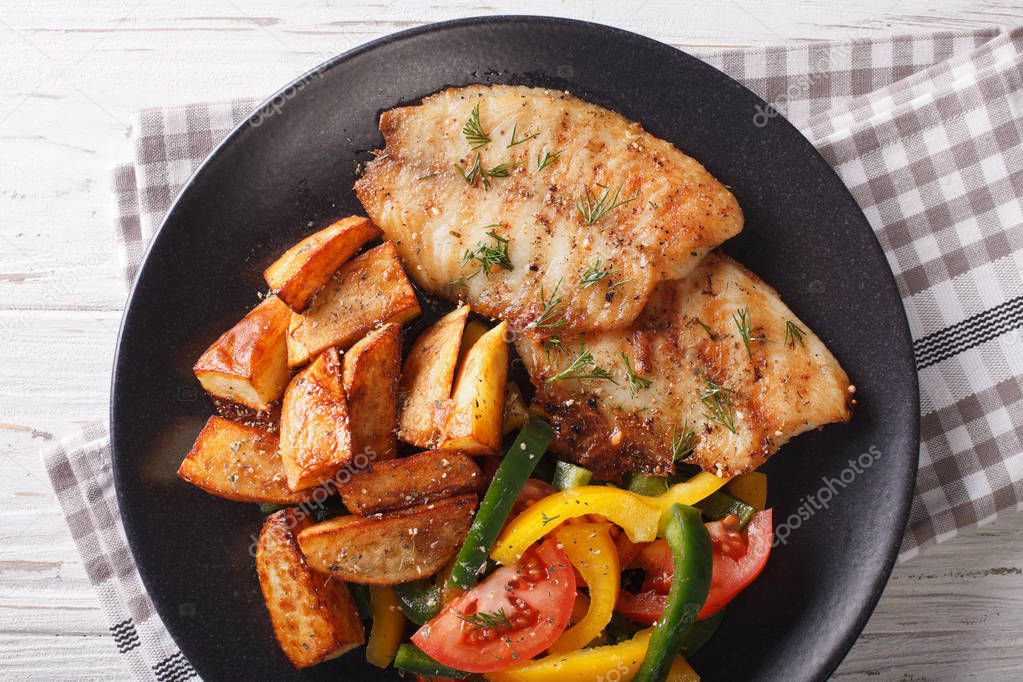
pixel 511 476
pixel 568 475
pixel 700 633
pixel 419 600
pixel 721 504
pixel 682 526
pixel 360 593
pixel 647 485
pixel 411 658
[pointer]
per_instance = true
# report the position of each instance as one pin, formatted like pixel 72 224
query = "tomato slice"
pixel 737 563
pixel 511 616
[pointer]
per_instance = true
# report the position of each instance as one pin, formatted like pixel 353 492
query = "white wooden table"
pixel 70 76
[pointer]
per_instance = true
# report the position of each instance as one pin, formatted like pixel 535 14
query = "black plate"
pixel 263 187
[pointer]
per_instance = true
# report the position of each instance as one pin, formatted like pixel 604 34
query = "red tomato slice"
pixel 730 575
pixel 531 602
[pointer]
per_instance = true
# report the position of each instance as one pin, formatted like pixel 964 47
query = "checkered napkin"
pixel 925 131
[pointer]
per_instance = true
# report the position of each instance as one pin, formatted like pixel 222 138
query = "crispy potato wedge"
pixel 267 420
pixel 476 419
pixel 427 377
pixel 314 616
pixel 410 481
pixel 238 463
pixel 370 371
pixel 316 438
pixel 392 548
pixel 248 364
pixel 296 276
pixel 365 292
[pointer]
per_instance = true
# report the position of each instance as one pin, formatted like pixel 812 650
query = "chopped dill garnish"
pixel 548 519
pixel 488 620
pixel 552 346
pixel 547 159
pixel 593 209
pixel 652 204
pixel 706 328
pixel 489 256
pixel 473 130
pixel 514 142
pixel 503 170
pixel 745 325
pixel 598 271
pixel 582 367
pixel 717 404
pixel 462 281
pixel 552 314
pixel 635 382
pixel 682 444
pixel 793 333
pixel 428 176
pixel 474 173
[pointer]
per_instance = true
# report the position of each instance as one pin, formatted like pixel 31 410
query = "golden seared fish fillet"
pixel 539 208
pixel 717 372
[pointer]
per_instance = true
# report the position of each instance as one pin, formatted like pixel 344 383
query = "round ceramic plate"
pixel 293 166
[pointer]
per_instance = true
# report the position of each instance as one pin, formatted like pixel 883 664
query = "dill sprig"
pixel 489 255
pixel 428 176
pixel 503 170
pixel 547 159
pixel 682 444
pixel 635 382
pixel 488 620
pixel 598 271
pixel 552 346
pixel 717 404
pixel 552 314
pixel 548 519
pixel 593 209
pixel 514 141
pixel 474 173
pixel 473 130
pixel 706 328
pixel 793 333
pixel 582 367
pixel 745 326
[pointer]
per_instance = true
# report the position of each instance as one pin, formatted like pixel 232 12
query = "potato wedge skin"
pixel 476 419
pixel 238 463
pixel 365 292
pixel 303 269
pixel 369 372
pixel 410 481
pixel 316 438
pixel 248 364
pixel 389 549
pixel 314 617
pixel 427 378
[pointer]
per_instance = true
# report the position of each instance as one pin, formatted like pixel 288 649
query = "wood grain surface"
pixel 73 72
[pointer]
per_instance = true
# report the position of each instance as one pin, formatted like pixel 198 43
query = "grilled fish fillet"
pixel 693 385
pixel 661 210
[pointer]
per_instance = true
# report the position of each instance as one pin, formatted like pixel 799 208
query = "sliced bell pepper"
pixel 568 475
pixel 721 504
pixel 411 658
pixel 639 516
pixel 388 626
pixel 592 551
pixel 511 476
pixel 751 488
pixel 690 584
pixel 419 600
pixel 620 661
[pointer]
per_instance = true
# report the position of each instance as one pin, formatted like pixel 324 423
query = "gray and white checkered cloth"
pixel 926 132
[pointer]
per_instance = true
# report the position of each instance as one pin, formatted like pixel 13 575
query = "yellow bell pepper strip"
pixel 388 626
pixel 620 661
pixel 592 551
pixel 637 515
pixel 751 488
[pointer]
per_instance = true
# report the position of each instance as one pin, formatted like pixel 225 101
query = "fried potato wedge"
pixel 370 371
pixel 419 479
pixel 365 292
pixel 392 548
pixel 248 364
pixel 476 419
pixel 427 378
pixel 314 616
pixel 316 438
pixel 238 463
pixel 516 414
pixel 296 276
